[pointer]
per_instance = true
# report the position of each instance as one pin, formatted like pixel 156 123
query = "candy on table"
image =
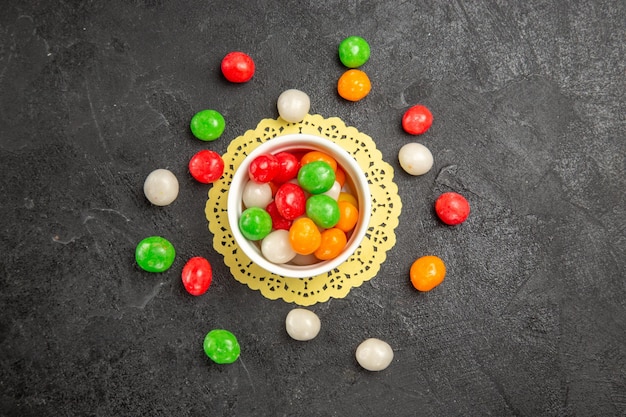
pixel 289 165
pixel 348 216
pixel 427 272
pixel 221 346
pixel 316 177
pixel 374 354
pixel 197 275
pixel 278 221
pixel 293 105
pixel 255 223
pixel 155 254
pixel 161 187
pixel 264 168
pixel 415 158
pixel 302 324
pixel 290 200
pixel 332 243
pixel 207 125
pixel 354 51
pixel 323 210
pixel 452 208
pixel 354 85
pixel 304 236
pixel 417 120
pixel 276 247
pixel 238 67
pixel 206 166
pixel 256 194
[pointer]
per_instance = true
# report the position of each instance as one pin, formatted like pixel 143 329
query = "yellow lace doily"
pixel 362 266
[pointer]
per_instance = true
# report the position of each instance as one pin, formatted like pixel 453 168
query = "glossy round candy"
pixel 276 247
pixel 313 156
pixel 221 346
pixel 415 158
pixel 302 324
pixel 348 216
pixel 354 85
pixel 288 165
pixel 238 67
pixel 323 210
pixel 427 272
pixel 417 120
pixel 293 105
pixel 206 166
pixel 316 177
pixel 278 221
pixel 340 176
pixel 207 125
pixel 332 244
pixel 343 196
pixel 290 201
pixel 354 51
pixel 452 208
pixel 256 194
pixel 334 191
pixel 197 275
pixel 155 254
pixel 161 187
pixel 374 354
pixel 264 168
pixel 304 236
pixel 255 223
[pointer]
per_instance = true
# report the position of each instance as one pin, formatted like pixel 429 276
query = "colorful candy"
pixel 316 177
pixel 302 324
pixel 264 168
pixel 452 208
pixel 323 210
pixel 374 354
pixel 318 156
pixel 427 272
pixel 238 67
pixel 332 243
pixel 354 85
pixel 290 200
pixel 348 216
pixel 278 221
pixel 288 167
pixel 206 166
pixel 276 247
pixel 256 194
pixel 354 51
pixel 155 254
pixel 255 223
pixel 221 346
pixel 417 120
pixel 207 125
pixel 415 158
pixel 161 187
pixel 304 236
pixel 197 275
pixel 293 105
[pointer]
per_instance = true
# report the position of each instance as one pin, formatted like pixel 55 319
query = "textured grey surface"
pixel 528 99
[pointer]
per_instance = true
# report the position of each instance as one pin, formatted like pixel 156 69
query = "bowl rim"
pixel 290 142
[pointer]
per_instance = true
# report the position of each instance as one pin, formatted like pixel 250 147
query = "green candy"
pixel 354 51
pixel 323 210
pixel 221 346
pixel 155 254
pixel 316 177
pixel 207 125
pixel 255 223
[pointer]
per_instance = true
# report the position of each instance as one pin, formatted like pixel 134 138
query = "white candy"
pixel 415 158
pixel 374 354
pixel 302 324
pixel 276 247
pixel 334 191
pixel 161 187
pixel 293 105
pixel 256 194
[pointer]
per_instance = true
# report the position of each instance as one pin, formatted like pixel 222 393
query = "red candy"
pixel 289 166
pixel 278 221
pixel 206 166
pixel 417 120
pixel 264 168
pixel 238 67
pixel 197 275
pixel 290 201
pixel 452 208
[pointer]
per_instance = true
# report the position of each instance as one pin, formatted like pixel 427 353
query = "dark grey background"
pixel 528 100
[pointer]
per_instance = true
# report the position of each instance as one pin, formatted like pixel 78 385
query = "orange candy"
pixel 304 236
pixel 319 156
pixel 349 198
pixel 354 85
pixel 340 176
pixel 427 272
pixel 348 216
pixel 332 243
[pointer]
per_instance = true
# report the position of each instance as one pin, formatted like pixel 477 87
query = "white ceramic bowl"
pixel 355 180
